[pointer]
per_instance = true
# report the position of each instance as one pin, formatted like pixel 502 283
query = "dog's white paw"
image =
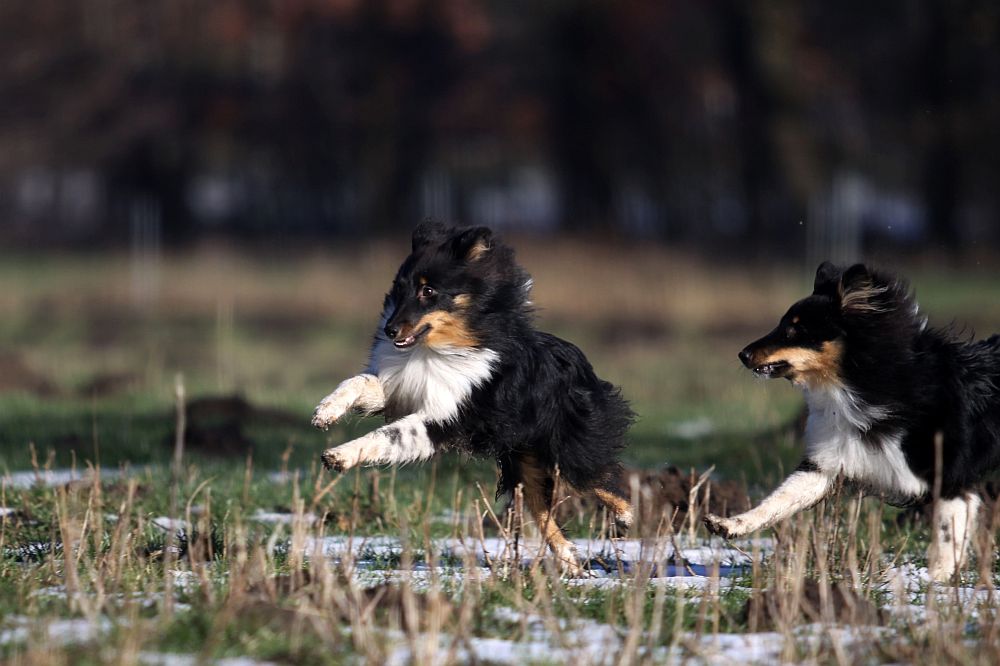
pixel 331 409
pixel 727 528
pixel 942 567
pixel 338 460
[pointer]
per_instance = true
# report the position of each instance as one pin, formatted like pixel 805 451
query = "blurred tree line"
pixel 694 121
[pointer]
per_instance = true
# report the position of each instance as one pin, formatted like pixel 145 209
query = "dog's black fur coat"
pixel 886 394
pixel 543 398
pixel 927 381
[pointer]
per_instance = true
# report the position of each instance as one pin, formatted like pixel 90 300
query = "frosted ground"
pixel 696 573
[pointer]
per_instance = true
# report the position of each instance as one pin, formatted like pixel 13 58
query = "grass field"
pixel 119 548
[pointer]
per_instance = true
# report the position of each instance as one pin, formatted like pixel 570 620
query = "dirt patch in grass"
pixel 16 376
pixel 108 384
pixel 215 425
pixel 665 495
pixel 773 607
pixel 672 493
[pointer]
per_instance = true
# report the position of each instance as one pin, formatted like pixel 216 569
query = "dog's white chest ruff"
pixel 834 443
pixel 433 383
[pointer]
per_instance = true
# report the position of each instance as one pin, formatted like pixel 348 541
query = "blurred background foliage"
pixel 224 190
pixel 746 126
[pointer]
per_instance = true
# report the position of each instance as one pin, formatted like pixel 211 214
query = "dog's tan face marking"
pixel 462 301
pixel 422 280
pixel 446 330
pixel 811 367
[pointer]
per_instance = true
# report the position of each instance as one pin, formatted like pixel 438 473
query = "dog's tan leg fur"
pixel 538 497
pixel 619 506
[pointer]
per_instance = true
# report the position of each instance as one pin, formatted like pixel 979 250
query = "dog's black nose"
pixel 391 331
pixel 745 357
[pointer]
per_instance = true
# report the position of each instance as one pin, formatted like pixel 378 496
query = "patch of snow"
pixel 277 517
pixel 763 647
pixel 766 647
pixel 172 659
pixel 167 524
pixel 59 632
pixel 15 635
pixel 185 580
pixel 679 582
pixel 50 591
pixel 25 479
pixel 577 648
pixel 910 593
pixel 692 428
pixel 612 562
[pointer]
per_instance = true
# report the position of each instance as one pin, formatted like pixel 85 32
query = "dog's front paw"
pixel 330 410
pixel 337 460
pixel 726 528
pixel 942 566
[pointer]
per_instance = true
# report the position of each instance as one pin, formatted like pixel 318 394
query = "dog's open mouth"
pixel 775 369
pixel 412 339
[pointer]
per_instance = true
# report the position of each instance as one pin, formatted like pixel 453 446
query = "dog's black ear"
pixel 827 278
pixel 427 232
pixel 859 291
pixel 472 244
pixel 856 277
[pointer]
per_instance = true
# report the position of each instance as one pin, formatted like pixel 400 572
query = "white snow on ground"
pixel 591 642
pixel 498 651
pixel 692 428
pixel 766 647
pixel 279 518
pixel 762 647
pixel 420 579
pixel 52 477
pixel 167 524
pixel 678 582
pixel 371 555
pixel 574 641
pixel 60 632
pixel 173 659
pixel 496 550
pixel 910 594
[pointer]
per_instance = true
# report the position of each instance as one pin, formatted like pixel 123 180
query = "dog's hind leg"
pixel 360 394
pixel 803 488
pixel 539 487
pixel 955 521
pixel 620 507
pixel 402 441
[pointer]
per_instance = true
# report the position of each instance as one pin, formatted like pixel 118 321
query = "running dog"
pixel 457 363
pixel 887 398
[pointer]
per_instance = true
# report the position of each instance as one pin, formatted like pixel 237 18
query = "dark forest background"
pixel 708 123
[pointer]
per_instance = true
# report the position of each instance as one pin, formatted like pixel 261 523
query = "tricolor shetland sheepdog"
pixel 456 362
pixel 887 397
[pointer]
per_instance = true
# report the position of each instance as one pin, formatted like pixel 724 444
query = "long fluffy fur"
pixel 456 348
pixel 882 390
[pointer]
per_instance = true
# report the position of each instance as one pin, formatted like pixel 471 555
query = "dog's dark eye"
pixel 790 332
pixel 427 291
